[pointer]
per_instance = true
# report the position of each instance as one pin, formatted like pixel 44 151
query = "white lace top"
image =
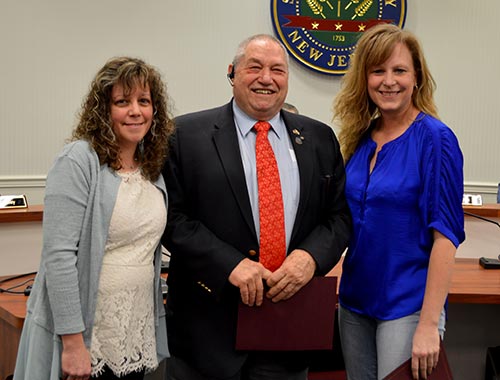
pixel 123 336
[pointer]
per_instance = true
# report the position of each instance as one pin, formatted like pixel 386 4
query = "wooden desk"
pixel 35 213
pixel 489 210
pixel 12 314
pixel 28 214
pixel 471 284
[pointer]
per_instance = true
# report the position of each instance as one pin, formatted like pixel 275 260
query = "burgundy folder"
pixel 303 322
pixel 441 372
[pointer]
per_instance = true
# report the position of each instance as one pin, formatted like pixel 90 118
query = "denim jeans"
pixel 373 348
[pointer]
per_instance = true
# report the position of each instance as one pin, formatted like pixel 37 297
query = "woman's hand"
pixel 75 358
pixel 425 351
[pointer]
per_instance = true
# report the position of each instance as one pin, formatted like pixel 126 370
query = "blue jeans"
pixel 373 348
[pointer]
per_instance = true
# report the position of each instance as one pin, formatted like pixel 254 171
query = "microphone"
pixel 486 262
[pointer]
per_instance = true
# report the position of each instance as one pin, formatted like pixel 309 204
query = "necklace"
pixel 126 166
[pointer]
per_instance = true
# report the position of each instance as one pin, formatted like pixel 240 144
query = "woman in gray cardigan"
pixel 96 307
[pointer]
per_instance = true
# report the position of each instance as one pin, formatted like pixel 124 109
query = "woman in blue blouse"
pixel 404 187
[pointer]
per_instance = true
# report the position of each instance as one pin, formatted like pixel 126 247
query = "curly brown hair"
pixel 95 125
pixel 353 108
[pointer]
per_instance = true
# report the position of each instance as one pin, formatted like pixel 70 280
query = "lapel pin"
pixel 298 138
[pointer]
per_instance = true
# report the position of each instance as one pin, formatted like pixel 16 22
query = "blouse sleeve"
pixel 441 200
pixel 66 199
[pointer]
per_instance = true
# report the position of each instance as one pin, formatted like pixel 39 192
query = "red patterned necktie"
pixel 271 215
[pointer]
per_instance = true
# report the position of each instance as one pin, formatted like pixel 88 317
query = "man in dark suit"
pixel 213 223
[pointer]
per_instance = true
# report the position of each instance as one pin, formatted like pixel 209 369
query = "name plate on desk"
pixel 472 199
pixel 13 201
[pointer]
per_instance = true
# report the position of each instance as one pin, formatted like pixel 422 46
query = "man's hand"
pixel 249 277
pixel 296 271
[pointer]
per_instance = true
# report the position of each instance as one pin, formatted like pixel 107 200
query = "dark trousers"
pixel 257 367
pixel 109 375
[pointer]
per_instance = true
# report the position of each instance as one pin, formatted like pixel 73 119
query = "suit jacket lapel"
pixel 226 142
pixel 303 147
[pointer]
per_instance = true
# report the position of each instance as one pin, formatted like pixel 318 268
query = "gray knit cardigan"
pixel 79 201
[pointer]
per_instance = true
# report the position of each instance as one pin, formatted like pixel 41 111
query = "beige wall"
pixel 52 48
pixel 21 245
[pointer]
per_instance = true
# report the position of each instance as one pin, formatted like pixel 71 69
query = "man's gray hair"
pixel 240 51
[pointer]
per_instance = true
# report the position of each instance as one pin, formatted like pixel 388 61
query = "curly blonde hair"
pixel 95 125
pixel 353 108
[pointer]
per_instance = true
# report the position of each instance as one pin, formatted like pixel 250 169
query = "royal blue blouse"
pixel 415 187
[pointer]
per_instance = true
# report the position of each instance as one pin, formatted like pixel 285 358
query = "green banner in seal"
pixel 322 34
